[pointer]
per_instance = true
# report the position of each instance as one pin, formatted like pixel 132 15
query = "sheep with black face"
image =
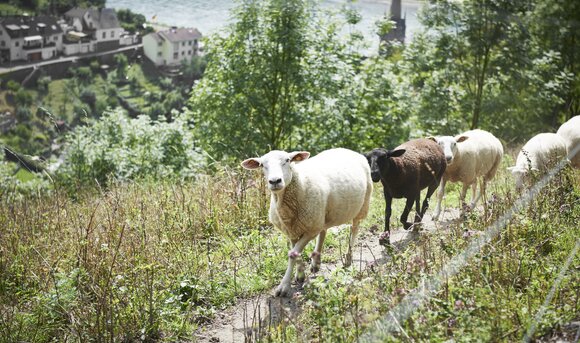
pixel 310 195
pixel 404 172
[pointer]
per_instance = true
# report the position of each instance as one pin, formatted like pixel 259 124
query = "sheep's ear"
pixel 535 170
pixel 297 156
pixel 461 139
pixel 396 153
pixel 252 163
pixel 434 139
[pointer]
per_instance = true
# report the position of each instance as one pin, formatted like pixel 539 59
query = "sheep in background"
pixel 570 132
pixel 539 154
pixel 307 198
pixel 472 155
pixel 404 172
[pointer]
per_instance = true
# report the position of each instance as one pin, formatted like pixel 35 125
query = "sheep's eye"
pixel 287 160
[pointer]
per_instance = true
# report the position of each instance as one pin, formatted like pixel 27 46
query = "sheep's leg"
pixel 418 216
pixel 430 192
pixel 481 193
pixel 353 232
pixel 384 238
pixel 463 193
pixel 315 257
pixel 284 289
pixel 439 199
pixel 474 194
pixel 482 189
pixel 405 215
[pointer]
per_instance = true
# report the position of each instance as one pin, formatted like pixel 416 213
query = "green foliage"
pixel 283 79
pixel 12 86
pixel 130 21
pixel 554 27
pixel 151 261
pixel 83 74
pixel 467 72
pixel 122 148
pixel 42 83
pixel 122 63
pixel 193 69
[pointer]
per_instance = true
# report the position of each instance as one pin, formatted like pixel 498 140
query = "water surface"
pixel 209 16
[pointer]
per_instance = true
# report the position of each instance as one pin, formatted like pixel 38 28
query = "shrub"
pixel 119 147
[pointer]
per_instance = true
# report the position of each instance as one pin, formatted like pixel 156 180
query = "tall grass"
pixel 137 261
pixel 155 261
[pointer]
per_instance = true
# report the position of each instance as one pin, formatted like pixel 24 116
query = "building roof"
pixel 155 36
pixel 24 26
pixel 105 18
pixel 180 34
pixel 76 12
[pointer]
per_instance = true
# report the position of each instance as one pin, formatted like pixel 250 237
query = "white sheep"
pixel 539 154
pixel 307 198
pixel 471 155
pixel 570 132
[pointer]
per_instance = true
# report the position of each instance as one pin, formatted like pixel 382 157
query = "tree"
pixel 122 64
pixel 283 78
pixel 476 65
pixel 555 26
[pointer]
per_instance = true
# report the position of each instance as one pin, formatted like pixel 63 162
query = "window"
pixel 159 44
pixel 183 53
pixel 104 35
pixel 175 55
pixel 16 43
pixel 182 43
pixel 55 38
pixel 189 52
pixel 159 54
pixel 190 42
pixel 112 34
pixel 2 43
pixel 195 41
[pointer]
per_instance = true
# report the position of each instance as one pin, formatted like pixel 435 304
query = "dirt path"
pixel 249 318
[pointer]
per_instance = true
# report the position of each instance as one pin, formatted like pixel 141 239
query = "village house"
pixel 172 46
pixel 29 38
pixel 91 29
pixel 81 31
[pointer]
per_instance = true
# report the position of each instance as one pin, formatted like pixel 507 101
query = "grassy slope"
pixel 155 260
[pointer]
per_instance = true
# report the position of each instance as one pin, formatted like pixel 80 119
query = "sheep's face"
pixel 378 161
pixel 276 166
pixel 521 176
pixel 449 146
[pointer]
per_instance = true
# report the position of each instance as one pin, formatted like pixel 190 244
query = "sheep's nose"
pixel 449 159
pixel 274 181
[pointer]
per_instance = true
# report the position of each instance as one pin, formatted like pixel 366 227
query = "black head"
pixel 378 161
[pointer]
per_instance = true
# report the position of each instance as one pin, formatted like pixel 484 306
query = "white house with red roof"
pixel 172 46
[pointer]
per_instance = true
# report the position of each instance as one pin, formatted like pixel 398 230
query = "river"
pixel 209 16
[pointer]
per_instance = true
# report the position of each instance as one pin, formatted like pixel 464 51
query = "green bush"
pixel 123 148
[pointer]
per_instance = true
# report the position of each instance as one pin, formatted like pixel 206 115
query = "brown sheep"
pixel 404 172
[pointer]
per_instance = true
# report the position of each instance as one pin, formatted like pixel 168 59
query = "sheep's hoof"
pixel 283 291
pixel 384 239
pixel 314 267
pixel 417 227
pixel 407 225
pixel 300 277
